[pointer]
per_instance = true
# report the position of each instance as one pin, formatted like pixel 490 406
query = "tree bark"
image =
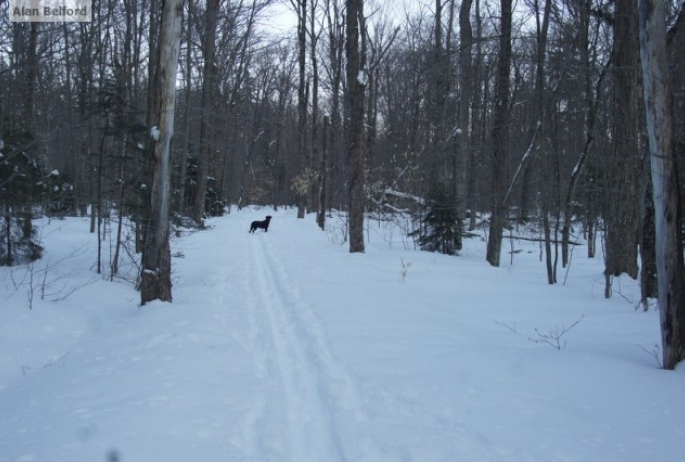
pixel 302 101
pixel 321 210
pixel 540 142
pixel 208 78
pixel 336 44
pixel 464 111
pixel 356 74
pixel 183 206
pixel 664 168
pixel 156 261
pixel 623 214
pixel 475 127
pixel 501 138
pixel 649 281
pixel 314 39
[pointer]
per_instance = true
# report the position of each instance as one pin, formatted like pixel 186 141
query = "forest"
pixel 478 113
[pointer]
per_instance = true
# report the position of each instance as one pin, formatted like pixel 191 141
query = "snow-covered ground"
pixel 282 346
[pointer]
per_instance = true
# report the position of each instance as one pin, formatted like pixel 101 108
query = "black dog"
pixel 261 224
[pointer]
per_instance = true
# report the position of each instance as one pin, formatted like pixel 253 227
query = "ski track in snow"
pixel 294 419
pixel 309 408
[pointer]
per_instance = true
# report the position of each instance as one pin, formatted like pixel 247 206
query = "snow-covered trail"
pixel 307 403
pixel 292 360
pixel 310 405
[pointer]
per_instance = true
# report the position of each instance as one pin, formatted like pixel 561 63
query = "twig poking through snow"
pixel 510 327
pixel 554 337
pixel 405 268
pixel 655 353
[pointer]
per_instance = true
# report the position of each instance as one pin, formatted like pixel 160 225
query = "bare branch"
pixel 555 336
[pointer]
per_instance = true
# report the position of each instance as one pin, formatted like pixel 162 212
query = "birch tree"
pixel 664 168
pixel 156 261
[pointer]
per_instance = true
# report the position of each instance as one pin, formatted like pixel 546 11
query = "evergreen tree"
pixel 441 227
pixel 20 189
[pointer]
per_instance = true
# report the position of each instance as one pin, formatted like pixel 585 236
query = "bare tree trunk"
pixel 321 212
pixel 501 138
pixel 464 113
pixel 302 102
pixel 314 39
pixel 336 41
pixel 208 78
pixel 547 229
pixel 182 206
pixel 540 123
pixel 284 91
pixel 623 215
pixel 156 262
pixel 122 209
pixel 438 88
pixel 475 118
pixel 356 75
pixel 664 167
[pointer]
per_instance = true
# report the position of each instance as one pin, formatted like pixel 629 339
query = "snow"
pixel 283 346
pixel 402 195
pixel 362 77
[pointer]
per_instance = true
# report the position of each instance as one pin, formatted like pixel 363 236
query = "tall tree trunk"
pixel 464 112
pixel 475 127
pixel 501 138
pixel 540 122
pixel 623 214
pixel 356 75
pixel 283 99
pixel 336 43
pixel 302 102
pixel 314 39
pixel 208 78
pixel 664 167
pixel 437 80
pixel 321 212
pixel 156 262
pixel 182 205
